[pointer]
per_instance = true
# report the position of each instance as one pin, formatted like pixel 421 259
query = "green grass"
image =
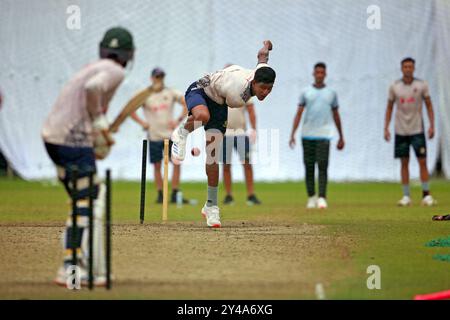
pixel 378 232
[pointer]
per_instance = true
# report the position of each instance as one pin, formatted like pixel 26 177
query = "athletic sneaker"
pixel 428 201
pixel 404 202
pixel 322 203
pixel 179 137
pixel 228 200
pixel 212 216
pixel 312 203
pixel 252 200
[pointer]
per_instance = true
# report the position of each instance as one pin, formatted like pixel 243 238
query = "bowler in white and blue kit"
pixel 319 104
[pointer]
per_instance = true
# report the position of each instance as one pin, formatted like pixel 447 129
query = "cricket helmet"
pixel 117 43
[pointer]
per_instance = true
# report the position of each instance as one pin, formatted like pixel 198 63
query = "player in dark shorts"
pixel 208 100
pixel 408 94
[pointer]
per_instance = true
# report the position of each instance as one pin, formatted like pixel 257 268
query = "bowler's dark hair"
pixel 265 75
pixel 320 65
pixel 408 59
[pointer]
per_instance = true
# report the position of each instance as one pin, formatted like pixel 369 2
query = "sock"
pixel 212 196
pixel 406 190
pixel 425 189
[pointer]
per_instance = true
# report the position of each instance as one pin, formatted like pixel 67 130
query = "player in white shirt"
pixel 207 101
pixel 409 94
pixel 159 121
pixel 69 132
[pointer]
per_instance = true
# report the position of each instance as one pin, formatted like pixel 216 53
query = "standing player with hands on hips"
pixel 408 94
pixel 207 101
pixel 157 102
pixel 76 122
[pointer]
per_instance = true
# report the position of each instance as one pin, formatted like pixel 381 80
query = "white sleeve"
pixel 391 94
pixel 426 90
pixel 178 96
pixel 103 85
pixel 302 100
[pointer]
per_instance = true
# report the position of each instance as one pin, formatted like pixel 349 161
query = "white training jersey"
pixel 70 122
pixel 230 86
pixel 158 110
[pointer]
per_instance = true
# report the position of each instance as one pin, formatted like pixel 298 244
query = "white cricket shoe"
pixel 179 138
pixel 322 203
pixel 212 216
pixel 428 201
pixel 312 203
pixel 404 202
pixel 61 277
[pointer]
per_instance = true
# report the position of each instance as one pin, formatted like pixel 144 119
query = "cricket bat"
pixel 132 105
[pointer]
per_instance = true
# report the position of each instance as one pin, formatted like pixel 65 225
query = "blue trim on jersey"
pixel 316 138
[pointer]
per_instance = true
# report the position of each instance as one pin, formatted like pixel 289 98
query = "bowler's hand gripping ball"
pixel 195 151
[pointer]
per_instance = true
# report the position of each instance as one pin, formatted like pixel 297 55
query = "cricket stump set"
pixel 165 180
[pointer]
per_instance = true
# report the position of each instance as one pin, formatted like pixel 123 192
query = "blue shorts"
pixel 68 158
pixel 157 151
pixel 218 113
pixel 240 143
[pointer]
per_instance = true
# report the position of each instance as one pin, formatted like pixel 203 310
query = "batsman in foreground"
pixel 207 101
pixel 76 122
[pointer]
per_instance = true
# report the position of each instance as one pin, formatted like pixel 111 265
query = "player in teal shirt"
pixel 320 106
